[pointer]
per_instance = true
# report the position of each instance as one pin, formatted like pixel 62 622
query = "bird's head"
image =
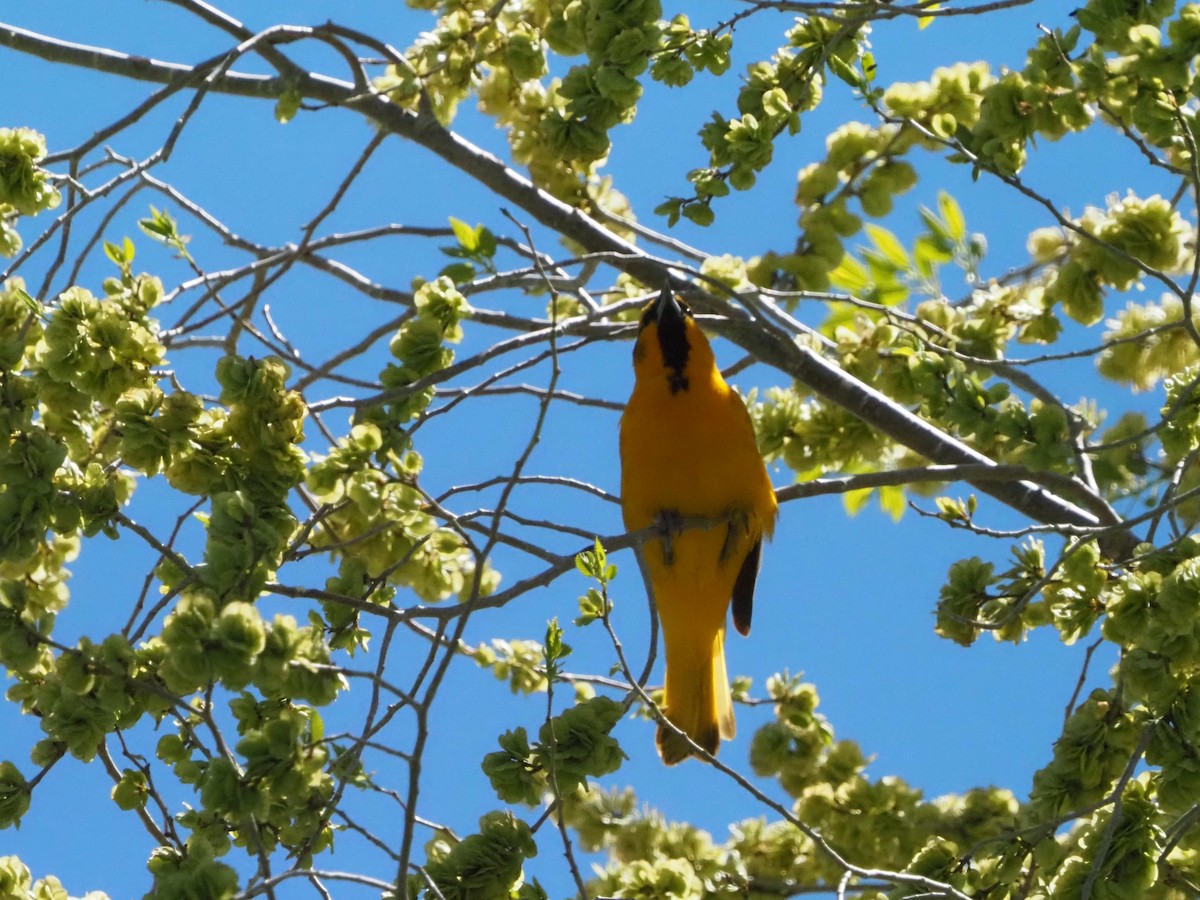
pixel 670 345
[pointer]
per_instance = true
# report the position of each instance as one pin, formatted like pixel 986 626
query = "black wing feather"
pixel 743 589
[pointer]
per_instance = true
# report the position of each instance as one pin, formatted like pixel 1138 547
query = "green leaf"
pixel 929 254
pixel 869 66
pixel 953 509
pixel 775 103
pixel 487 242
pixel 591 562
pixel 459 272
pixel 887 244
pixel 741 178
pixel 554 649
pixel 467 236
pixel 892 501
pixel 287 106
pixel 881 268
pixel 670 208
pixel 890 294
pixel 594 563
pixel 710 52
pixel 956 225
pixel 699 213
pixel 850 275
pixel 131 792
pixel 122 256
pixel 24 297
pixel 937 229
pixel 846 72
pixel 854 501
pixel 14 795
pixel 161 226
pixel 592 606
pixel 673 71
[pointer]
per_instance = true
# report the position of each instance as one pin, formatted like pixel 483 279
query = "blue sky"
pixel 847 601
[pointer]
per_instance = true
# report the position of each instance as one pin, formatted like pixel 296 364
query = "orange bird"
pixel 688 452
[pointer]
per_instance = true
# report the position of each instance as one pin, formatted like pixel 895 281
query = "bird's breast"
pixel 693 452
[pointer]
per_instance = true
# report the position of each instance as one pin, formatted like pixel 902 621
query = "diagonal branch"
pixel 903 426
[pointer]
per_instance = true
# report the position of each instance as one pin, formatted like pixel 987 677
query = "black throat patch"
pixel 673 343
pixel 676 379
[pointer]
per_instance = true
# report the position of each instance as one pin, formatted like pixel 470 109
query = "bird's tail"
pixel 697 700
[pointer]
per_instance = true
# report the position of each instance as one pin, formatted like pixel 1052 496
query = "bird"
pixel 690 468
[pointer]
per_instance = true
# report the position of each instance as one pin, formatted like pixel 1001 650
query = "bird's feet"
pixel 669 523
pixel 738 524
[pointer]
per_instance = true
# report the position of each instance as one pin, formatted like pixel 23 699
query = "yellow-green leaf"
pixel 956 226
pixel 892 502
pixel 854 501
pixel 23 296
pixel 466 235
pixel 887 244
pixel 287 106
pixel 850 275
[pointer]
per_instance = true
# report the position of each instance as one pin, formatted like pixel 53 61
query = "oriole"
pixel 688 452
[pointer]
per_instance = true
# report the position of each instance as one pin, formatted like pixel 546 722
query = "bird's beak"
pixel 669 312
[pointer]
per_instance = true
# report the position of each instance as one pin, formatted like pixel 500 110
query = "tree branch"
pixel 908 429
